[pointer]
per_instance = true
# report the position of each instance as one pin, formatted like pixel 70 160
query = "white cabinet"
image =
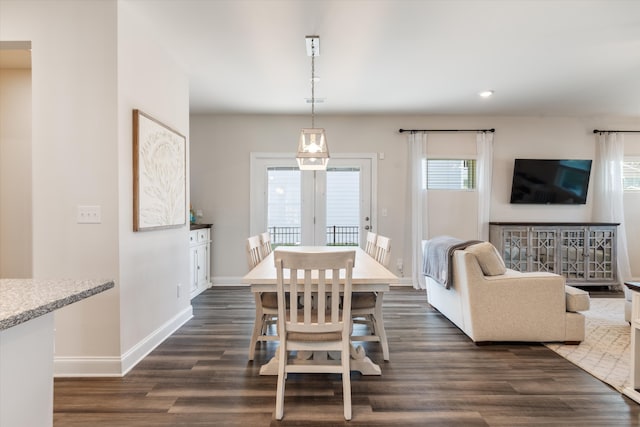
pixel 200 260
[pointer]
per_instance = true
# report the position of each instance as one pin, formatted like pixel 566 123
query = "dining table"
pixel 368 275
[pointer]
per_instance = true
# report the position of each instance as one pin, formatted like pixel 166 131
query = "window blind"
pixel 450 174
pixel 631 175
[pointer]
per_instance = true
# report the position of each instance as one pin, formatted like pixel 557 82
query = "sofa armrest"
pixel 512 306
pixel 577 299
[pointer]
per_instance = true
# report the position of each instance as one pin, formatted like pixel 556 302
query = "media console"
pixel 584 253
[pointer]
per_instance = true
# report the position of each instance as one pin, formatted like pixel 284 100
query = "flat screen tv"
pixel 542 181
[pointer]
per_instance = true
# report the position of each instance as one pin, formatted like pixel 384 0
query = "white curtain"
pixel 484 149
pixel 608 200
pixel 419 223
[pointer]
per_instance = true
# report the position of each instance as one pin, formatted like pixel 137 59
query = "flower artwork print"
pixel 159 175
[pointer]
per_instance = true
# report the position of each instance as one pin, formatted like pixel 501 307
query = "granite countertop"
pixel 24 299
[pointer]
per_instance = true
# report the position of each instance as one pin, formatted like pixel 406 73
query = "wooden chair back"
pixel 383 250
pixel 265 243
pixel 370 246
pixel 254 254
pixel 314 279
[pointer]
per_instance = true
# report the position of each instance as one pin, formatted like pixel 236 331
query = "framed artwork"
pixel 159 175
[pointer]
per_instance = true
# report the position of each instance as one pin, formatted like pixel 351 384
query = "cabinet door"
pixel 193 269
pixel 572 253
pixel 207 264
pixel 201 258
pixel 515 244
pixel 542 249
pixel 600 254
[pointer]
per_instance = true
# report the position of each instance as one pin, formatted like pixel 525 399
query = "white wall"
pixel 91 65
pixel 15 173
pixel 152 263
pixel 74 157
pixel 221 144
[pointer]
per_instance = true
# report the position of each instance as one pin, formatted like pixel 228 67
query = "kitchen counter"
pixel 27 330
pixel 24 299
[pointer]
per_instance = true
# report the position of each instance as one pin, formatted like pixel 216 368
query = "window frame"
pixel 425 174
pixel 629 159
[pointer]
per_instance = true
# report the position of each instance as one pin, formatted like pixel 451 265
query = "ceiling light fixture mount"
pixel 313 151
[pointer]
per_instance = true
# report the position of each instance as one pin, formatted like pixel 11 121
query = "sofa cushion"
pixel 576 299
pixel 489 259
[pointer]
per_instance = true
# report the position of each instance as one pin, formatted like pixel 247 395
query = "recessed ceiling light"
pixel 486 93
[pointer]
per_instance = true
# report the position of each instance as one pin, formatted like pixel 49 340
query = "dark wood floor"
pixel 200 376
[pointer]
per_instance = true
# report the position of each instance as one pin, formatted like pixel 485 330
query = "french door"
pixel 332 207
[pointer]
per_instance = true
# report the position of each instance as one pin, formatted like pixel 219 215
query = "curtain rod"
pixel 615 131
pixel 445 130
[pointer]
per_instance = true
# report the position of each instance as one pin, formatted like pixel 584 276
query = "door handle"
pixel 366 227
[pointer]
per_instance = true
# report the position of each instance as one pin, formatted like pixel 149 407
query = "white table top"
pixel 366 270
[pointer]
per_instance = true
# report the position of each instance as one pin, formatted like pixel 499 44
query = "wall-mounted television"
pixel 542 181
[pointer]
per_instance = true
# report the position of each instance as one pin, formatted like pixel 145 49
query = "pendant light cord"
pixel 313 81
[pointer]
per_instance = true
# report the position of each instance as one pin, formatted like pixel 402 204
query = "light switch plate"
pixel 89 215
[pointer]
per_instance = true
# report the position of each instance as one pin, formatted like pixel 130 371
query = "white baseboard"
pixel 227 281
pixel 88 366
pixel 119 366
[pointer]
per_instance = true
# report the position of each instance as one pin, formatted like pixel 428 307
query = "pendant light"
pixel 313 152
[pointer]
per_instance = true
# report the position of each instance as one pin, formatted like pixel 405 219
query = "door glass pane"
pixel 283 205
pixel 343 206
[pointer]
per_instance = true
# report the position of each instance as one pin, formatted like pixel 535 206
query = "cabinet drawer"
pixel 193 237
pixel 203 235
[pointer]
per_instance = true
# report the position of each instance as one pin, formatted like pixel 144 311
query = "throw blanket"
pixel 437 257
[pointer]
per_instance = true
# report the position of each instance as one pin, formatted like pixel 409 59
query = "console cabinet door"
pixel 514 247
pixel 543 242
pixel 573 243
pixel 600 257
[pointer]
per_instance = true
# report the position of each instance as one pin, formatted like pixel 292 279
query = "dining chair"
pixel 366 307
pixel 370 246
pixel 254 255
pixel 320 325
pixel 266 302
pixel 383 250
pixel 265 243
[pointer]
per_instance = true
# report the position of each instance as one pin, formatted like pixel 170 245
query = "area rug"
pixel 605 352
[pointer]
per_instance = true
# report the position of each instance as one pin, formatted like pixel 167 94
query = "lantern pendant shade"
pixel 313 152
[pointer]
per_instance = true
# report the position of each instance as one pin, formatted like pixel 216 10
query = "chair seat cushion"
pixel 489 259
pixel 363 300
pixel 576 299
pixel 269 299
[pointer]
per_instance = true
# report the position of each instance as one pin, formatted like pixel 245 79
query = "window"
pixel 449 174
pixel 631 175
pixel 283 205
pixel 343 206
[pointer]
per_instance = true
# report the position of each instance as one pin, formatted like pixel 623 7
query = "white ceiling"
pixel 576 58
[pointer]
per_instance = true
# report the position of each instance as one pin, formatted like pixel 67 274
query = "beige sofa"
pixel 512 306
